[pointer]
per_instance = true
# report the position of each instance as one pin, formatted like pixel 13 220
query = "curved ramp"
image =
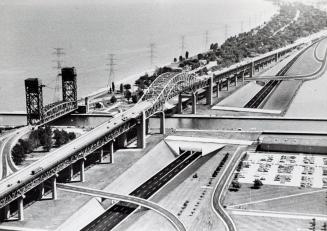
pixel 130 199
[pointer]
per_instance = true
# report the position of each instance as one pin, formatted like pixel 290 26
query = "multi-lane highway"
pixel 130 199
pixel 120 211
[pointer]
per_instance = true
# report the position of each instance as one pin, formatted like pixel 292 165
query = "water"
pixel 89 30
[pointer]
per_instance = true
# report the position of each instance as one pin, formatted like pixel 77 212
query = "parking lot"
pixel 300 170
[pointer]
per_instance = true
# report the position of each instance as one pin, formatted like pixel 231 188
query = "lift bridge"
pixel 37 113
pixel 21 185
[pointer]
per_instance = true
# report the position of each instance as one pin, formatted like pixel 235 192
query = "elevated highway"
pixel 166 86
pixel 130 199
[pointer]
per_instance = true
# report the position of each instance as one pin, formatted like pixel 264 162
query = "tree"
pixel 235 186
pixel 180 58
pixel 113 87
pixel 113 99
pixel 46 138
pixel 141 93
pixel 121 88
pixel 175 60
pixel 134 98
pixel 128 95
pixel 71 135
pixel 127 86
pixel 257 184
pixel 186 54
pixel 18 154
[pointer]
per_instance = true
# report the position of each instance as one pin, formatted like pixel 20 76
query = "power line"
pixel 59 53
pixel 182 44
pixel 206 40
pixel 152 53
pixel 111 69
pixel 226 31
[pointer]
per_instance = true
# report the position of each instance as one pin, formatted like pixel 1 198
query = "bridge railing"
pixel 57 110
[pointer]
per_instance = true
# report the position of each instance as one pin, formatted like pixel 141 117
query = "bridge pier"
pixel 141 131
pixel 6 211
pixel 70 173
pixel 54 188
pixel 41 191
pixel 194 99
pixel 87 105
pixel 235 79
pixel 20 202
pixel 122 141
pixel 251 71
pixel 162 123
pixel 227 84
pixel 217 93
pixel 101 155
pixel 242 77
pixel 209 92
pixel 82 170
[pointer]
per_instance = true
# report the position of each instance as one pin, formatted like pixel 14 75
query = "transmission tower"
pixel 59 52
pixel 152 53
pixel 182 45
pixel 206 41
pixel 226 31
pixel 111 68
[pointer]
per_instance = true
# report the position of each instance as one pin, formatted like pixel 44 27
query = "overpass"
pixel 130 199
pixel 64 160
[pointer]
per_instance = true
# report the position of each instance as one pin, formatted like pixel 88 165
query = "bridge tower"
pixel 34 100
pixel 69 85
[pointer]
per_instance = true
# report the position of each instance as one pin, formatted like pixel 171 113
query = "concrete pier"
pixel 41 191
pixel 122 141
pixel 6 212
pixel 20 205
pixel 141 131
pixel 54 188
pixel 209 92
pixel 82 170
pixel 162 123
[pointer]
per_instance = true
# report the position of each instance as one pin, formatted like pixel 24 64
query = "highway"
pixel 257 100
pixel 50 160
pixel 221 186
pixel 120 211
pixel 23 179
pixel 130 199
pixel 7 142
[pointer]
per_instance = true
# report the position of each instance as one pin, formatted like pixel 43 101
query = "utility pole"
pixel 182 44
pixel 111 68
pixel 152 53
pixel 226 31
pixel 206 41
pixel 59 52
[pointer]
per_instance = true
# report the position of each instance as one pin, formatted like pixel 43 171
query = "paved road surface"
pixel 120 211
pixel 220 189
pixel 130 199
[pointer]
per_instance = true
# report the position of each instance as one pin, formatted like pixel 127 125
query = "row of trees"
pixel 41 137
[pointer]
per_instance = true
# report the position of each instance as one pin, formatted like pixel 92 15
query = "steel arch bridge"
pixel 169 85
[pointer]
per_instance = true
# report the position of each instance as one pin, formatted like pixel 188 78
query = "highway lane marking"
pixel 276 198
pixel 148 204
